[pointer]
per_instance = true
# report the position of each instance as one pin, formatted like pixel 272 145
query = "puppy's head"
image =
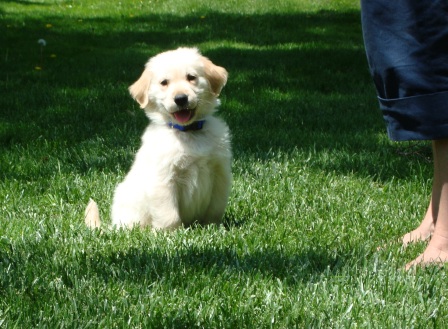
pixel 180 86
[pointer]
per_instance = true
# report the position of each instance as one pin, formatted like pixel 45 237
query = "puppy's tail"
pixel 92 215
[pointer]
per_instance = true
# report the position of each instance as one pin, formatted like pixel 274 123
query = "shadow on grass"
pixel 297 81
pixel 137 264
pixel 27 2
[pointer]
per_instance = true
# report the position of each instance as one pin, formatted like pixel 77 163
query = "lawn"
pixel 317 184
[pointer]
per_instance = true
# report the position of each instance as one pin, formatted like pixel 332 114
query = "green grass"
pixel 317 184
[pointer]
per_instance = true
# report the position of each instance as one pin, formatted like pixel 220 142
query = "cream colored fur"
pixel 177 177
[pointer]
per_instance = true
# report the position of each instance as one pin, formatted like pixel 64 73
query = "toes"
pixel 430 257
pixel 413 237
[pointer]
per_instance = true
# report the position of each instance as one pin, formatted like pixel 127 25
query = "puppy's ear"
pixel 139 90
pixel 216 75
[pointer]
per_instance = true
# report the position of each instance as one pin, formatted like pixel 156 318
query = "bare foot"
pixel 436 253
pixel 421 233
pixel 416 235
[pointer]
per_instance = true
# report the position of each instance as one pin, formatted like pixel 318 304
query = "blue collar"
pixel 197 125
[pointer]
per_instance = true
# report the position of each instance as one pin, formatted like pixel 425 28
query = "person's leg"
pixel 437 249
pixel 426 228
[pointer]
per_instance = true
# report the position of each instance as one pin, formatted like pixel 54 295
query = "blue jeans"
pixel 406 43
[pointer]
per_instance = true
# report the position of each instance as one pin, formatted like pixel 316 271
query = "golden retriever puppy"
pixel 182 172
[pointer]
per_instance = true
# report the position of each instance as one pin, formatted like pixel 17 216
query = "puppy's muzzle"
pixel 185 113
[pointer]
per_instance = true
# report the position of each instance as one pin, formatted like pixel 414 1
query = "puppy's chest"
pixel 185 159
pixel 191 167
pixel 192 157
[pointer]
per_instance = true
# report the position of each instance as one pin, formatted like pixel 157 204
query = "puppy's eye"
pixel 164 82
pixel 191 77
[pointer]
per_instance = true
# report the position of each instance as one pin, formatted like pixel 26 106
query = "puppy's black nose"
pixel 181 100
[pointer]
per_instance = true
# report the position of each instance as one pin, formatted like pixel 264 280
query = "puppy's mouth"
pixel 184 115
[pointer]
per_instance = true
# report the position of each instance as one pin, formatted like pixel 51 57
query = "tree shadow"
pixel 291 75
